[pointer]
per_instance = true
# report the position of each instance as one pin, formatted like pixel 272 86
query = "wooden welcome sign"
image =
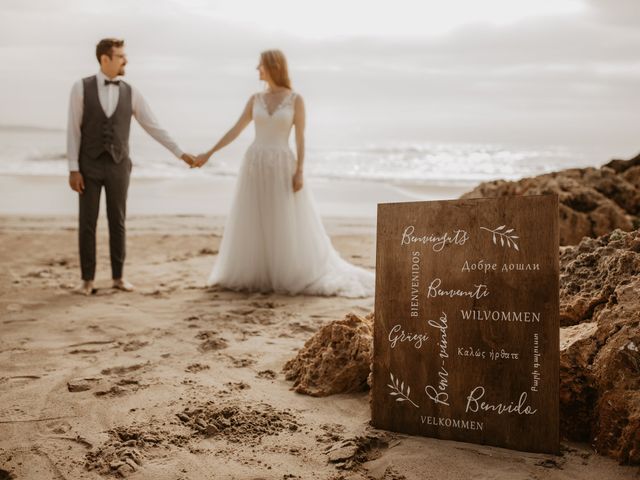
pixel 466 342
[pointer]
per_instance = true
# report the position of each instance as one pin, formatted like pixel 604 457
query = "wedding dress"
pixel 274 239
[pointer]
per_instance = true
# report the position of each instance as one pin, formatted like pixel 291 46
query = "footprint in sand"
pixel 256 316
pixel 332 432
pixel 241 362
pixel 193 321
pixel 21 320
pixel 121 387
pixel 235 387
pixel 82 384
pixel 58 427
pixel 211 341
pixel 238 423
pixel 242 311
pixel 299 327
pixel 134 345
pixel 159 292
pixel 60 262
pixel 83 351
pixel 265 304
pixel 84 344
pixel 196 367
pixel 41 273
pixel 19 379
pixel 124 369
pixel 129 446
pixel 349 454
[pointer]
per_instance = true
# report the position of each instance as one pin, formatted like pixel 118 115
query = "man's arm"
pixel 74 121
pixel 147 120
pixel 73 125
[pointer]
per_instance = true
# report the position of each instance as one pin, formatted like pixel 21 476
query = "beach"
pixel 84 379
pixel 472 104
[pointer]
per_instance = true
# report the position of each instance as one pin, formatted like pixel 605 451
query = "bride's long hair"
pixel 275 63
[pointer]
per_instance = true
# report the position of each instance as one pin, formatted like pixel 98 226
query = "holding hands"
pixel 201 159
pixel 188 159
pixel 196 161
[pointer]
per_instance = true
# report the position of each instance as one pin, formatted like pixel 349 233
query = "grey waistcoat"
pixel 100 133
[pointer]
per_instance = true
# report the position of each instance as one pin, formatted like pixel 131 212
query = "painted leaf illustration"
pixel 397 388
pixel 505 237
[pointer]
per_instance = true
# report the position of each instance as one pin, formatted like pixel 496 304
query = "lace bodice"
pixel 273 129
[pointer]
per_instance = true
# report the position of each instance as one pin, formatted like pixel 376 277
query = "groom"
pixel 100 111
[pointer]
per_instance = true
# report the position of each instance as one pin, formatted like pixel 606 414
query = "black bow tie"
pixel 111 82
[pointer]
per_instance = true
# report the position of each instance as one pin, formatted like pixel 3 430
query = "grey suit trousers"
pixel 103 171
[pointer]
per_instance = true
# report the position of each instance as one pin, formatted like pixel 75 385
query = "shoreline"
pixel 211 196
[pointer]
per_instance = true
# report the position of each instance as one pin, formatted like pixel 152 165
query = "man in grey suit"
pixel 100 111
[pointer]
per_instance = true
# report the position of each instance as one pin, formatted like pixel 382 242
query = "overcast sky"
pixel 523 71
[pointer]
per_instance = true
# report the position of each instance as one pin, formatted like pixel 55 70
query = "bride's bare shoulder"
pixel 298 101
pixel 252 99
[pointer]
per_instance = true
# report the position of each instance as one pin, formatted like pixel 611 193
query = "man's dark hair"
pixel 106 45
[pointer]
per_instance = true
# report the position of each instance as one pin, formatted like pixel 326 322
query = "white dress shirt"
pixel 108 95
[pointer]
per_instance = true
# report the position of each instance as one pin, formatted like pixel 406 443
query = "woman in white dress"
pixel 274 240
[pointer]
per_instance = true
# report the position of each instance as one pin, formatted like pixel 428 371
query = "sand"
pixel 179 381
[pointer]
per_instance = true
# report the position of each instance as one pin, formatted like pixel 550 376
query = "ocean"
pixel 38 151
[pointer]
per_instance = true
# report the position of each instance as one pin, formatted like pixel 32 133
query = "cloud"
pixel 549 78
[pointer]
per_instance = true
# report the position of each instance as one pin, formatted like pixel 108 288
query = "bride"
pixel 274 239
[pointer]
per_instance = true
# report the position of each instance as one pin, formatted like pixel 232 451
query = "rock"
pixel 624 165
pixel 618 428
pixel 335 360
pixel 600 356
pixel 633 176
pixel 183 416
pixel 116 464
pixel 590 272
pixel 125 470
pixel 578 393
pixel 593 201
pixel 342 454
